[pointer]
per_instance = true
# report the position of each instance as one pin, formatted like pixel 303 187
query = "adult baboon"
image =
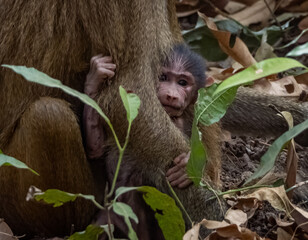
pixel 39 125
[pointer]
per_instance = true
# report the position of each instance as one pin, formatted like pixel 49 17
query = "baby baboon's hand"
pixel 101 68
pixel 177 175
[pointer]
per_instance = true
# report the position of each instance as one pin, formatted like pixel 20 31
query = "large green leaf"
pixel 268 159
pixel 92 232
pixel 209 108
pixel 131 103
pixel 6 160
pixel 33 75
pixel 168 215
pixel 299 50
pixel 258 70
pixel 126 211
pixel 58 197
pixel 197 157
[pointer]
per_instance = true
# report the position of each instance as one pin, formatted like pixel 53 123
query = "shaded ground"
pixel 241 157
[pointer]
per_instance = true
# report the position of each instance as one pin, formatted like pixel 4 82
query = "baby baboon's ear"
pixel 209 81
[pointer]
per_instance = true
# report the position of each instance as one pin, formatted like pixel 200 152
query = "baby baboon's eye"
pixel 163 78
pixel 182 82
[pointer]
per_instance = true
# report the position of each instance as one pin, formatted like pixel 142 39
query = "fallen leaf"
pixel 234 7
pixel 292 162
pixel 239 52
pixel 302 79
pixel 283 235
pixel 276 196
pixel 303 7
pixel 248 205
pixel 236 216
pixel 286 86
pixel 258 12
pixel 193 233
pixel 303 24
pixel 6 232
pixel 246 2
pixel 209 224
pixel 233 232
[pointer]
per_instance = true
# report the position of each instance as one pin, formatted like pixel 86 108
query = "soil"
pixel 241 157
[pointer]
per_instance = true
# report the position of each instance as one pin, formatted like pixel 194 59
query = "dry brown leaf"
pixel 279 200
pixel 302 79
pixel 236 216
pixel 285 3
pixel 6 232
pixel 193 233
pixel 247 205
pixel 276 196
pixel 188 2
pixel 283 235
pixel 300 216
pixel 209 224
pixel 246 2
pixel 233 232
pixel 239 52
pixel 256 13
pixel 292 160
pixel 234 7
pixel 283 223
pixel 303 24
pixel 286 86
pixel 302 7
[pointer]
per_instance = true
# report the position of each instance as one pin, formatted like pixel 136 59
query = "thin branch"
pixel 273 15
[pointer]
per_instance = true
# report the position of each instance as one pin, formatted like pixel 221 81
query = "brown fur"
pixel 58 37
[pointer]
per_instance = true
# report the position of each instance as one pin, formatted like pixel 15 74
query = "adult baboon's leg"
pixel 48 139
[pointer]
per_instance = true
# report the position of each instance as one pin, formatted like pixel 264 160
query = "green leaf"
pixel 58 197
pixel 126 211
pixel 211 108
pixel 201 36
pixel 257 71
pixel 122 190
pixel 10 161
pixel 299 50
pixel 168 215
pixel 197 157
pixel 294 40
pixel 33 75
pixel 268 159
pixel 92 232
pixel 131 103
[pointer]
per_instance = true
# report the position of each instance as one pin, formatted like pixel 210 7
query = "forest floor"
pixel 241 157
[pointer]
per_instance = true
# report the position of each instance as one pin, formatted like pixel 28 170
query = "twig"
pixel 273 15
pixel 302 224
pixel 297 185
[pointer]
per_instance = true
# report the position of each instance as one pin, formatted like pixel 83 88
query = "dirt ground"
pixel 241 157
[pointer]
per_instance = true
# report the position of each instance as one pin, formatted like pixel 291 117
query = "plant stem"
pixel 297 185
pixel 179 202
pixel 121 152
pixel 238 190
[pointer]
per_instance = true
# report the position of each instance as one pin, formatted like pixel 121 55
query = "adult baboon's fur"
pixel 39 125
